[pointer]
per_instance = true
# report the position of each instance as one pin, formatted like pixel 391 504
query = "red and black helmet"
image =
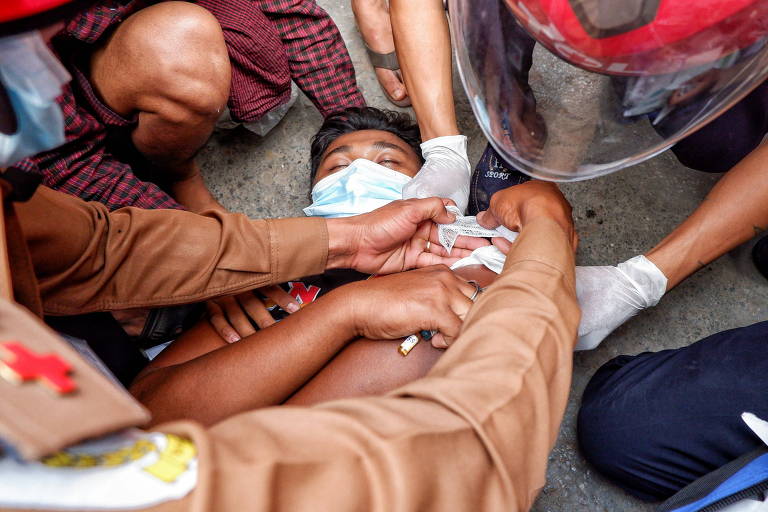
pixel 636 37
pixel 24 15
pixel 624 66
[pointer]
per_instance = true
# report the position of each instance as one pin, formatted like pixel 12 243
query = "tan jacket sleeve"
pixel 474 434
pixel 88 259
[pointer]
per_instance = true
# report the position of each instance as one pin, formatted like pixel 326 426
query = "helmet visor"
pixel 559 113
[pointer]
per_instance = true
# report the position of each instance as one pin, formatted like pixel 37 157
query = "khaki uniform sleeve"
pixel 474 434
pixel 89 259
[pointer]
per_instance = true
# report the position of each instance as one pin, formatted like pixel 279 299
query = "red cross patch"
pixel 21 365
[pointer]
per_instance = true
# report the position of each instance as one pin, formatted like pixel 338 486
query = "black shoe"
pixel 491 174
pixel 166 323
pixel 760 256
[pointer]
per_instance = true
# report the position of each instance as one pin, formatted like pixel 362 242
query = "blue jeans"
pixel 654 422
pixel 491 174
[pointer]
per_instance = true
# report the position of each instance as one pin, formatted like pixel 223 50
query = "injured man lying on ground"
pixel 345 339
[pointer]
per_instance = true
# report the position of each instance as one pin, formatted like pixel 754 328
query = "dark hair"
pixel 362 118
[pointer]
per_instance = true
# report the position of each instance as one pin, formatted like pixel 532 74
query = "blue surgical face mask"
pixel 361 187
pixel 32 77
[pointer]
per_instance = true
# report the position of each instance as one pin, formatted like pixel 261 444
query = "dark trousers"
pixel 725 141
pixel 654 422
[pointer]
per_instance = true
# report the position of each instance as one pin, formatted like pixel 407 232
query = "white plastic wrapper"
pixel 760 428
pixel 747 506
pixel 468 226
pixel 264 124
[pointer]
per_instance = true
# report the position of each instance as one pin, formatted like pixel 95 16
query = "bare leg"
pixel 168 63
pixel 423 46
pixel 734 211
pixel 372 17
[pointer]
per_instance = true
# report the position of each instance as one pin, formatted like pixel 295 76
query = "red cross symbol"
pixel 24 365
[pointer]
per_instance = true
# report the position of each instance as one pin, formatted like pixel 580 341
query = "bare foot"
pixel 192 193
pixel 372 17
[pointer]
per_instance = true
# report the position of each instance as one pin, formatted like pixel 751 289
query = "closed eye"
pixel 389 163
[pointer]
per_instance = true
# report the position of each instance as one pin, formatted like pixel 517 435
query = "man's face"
pixel 381 147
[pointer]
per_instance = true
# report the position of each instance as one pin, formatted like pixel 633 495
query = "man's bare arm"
pixel 209 380
pixel 269 366
pixel 423 45
pixel 734 211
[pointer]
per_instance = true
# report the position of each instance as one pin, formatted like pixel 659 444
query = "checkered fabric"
pixel 306 47
pixel 270 43
pixel 84 167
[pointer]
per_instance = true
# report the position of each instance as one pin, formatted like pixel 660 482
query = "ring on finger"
pixel 476 292
pixel 429 243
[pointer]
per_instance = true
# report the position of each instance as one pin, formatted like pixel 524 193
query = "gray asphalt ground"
pixel 618 216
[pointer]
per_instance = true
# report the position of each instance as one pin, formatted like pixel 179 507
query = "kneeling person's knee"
pixel 173 61
pixel 611 439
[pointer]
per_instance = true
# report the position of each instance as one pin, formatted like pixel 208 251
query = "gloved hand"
pixel 609 296
pixel 445 173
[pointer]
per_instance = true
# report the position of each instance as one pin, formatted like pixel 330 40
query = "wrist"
pixel 343 303
pixel 342 243
pixel 646 277
pixel 450 149
pixel 669 265
pixel 443 125
pixel 535 212
pixel 550 206
pixel 457 142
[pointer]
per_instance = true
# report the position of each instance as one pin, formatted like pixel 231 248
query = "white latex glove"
pixel 609 296
pixel 445 173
